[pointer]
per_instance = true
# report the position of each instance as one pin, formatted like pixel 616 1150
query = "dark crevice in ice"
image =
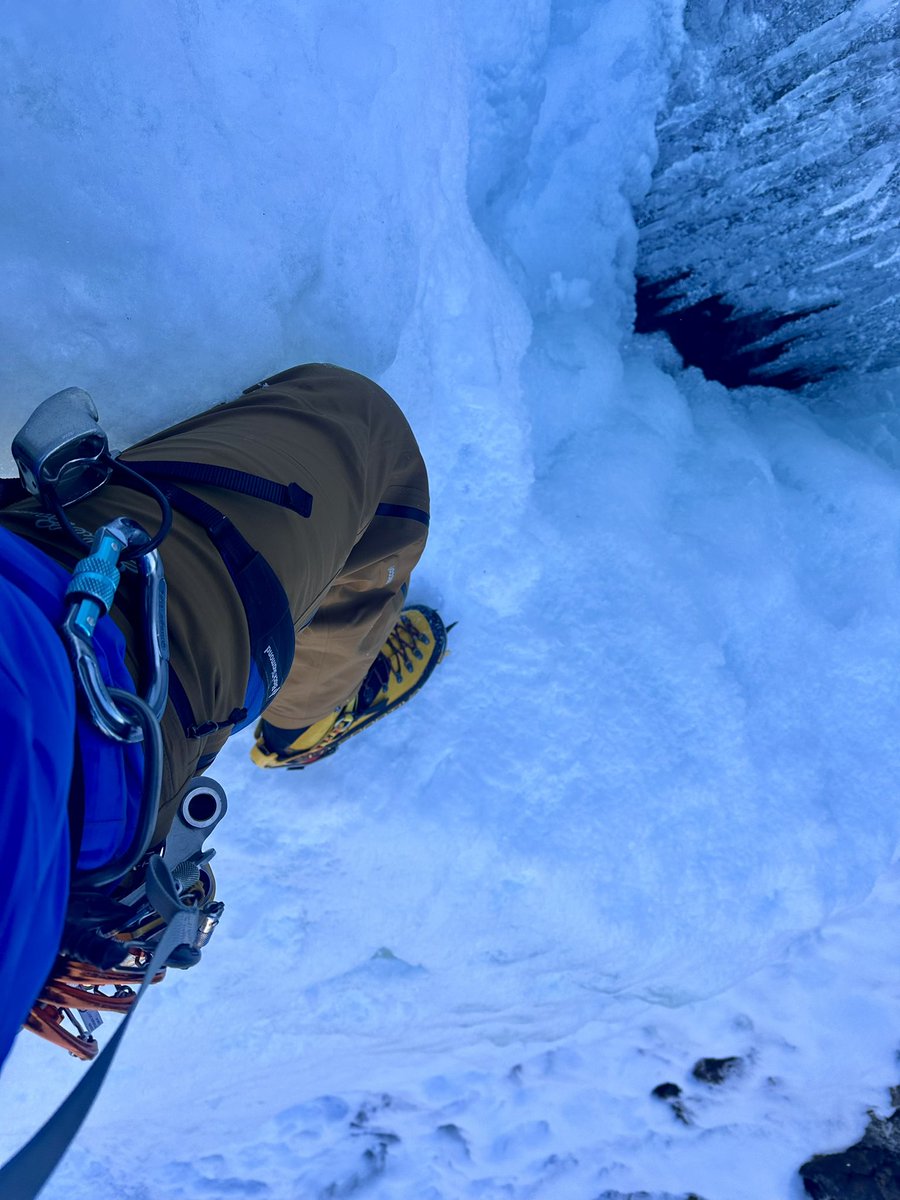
pixel 731 347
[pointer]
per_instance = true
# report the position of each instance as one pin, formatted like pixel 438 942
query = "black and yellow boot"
pixel 413 649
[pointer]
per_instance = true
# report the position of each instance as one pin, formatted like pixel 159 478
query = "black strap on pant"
pixel 76 803
pixel 285 495
pixel 12 491
pixel 266 606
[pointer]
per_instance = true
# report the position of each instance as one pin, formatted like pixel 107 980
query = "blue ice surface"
pixel 662 753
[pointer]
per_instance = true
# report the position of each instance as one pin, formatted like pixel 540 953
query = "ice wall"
pixel 778 186
pixel 663 752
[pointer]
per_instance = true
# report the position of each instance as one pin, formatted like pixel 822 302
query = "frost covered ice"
pixel 778 184
pixel 646 811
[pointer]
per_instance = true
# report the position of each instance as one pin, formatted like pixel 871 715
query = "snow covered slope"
pixel 648 809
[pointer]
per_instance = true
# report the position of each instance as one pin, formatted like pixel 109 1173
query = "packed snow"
pixel 647 810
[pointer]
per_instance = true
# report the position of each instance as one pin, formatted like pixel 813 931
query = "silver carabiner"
pixel 156 632
pixel 90 596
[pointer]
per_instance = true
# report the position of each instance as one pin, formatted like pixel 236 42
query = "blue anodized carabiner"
pixel 90 595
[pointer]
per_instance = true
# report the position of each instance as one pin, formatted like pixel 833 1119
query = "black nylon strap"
pixel 76 803
pixel 235 550
pixel 403 510
pixel 11 492
pixel 266 607
pixel 260 590
pixel 180 702
pixel 285 495
pixel 23 1177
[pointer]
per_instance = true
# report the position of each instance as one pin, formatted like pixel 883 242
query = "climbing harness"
pixel 148 909
pixel 134 917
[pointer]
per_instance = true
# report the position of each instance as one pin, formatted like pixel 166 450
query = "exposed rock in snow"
pixel 870 1170
pixel 717 1070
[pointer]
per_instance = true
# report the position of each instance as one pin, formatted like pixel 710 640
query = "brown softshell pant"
pixel 343 439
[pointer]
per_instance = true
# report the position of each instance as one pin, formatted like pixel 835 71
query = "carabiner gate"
pixel 90 596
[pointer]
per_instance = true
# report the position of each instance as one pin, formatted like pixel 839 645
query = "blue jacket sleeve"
pixel 37 724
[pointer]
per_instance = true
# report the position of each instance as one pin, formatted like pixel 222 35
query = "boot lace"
pixel 402 642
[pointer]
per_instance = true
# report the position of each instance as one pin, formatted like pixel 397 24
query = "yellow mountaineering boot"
pixel 413 649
